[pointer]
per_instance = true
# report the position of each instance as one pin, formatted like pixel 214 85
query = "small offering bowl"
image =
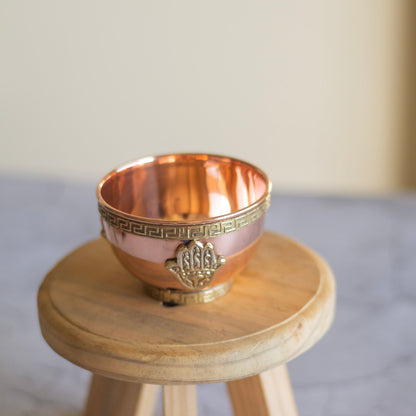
pixel 184 224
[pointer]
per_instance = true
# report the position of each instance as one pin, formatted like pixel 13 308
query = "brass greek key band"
pixel 183 232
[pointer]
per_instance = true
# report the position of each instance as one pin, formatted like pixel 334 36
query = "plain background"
pixel 320 94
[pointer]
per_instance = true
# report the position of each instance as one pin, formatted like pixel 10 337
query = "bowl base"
pixel 172 297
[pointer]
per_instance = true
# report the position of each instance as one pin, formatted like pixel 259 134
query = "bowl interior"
pixel 184 187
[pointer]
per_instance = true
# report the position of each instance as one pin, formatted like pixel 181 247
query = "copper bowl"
pixel 184 224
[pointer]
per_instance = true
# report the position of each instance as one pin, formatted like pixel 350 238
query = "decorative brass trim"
pixel 178 297
pixel 183 232
pixel 195 264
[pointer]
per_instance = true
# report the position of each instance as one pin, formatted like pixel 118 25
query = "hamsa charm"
pixel 195 264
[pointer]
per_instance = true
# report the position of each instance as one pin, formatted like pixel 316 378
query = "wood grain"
pixel 108 397
pixel 179 400
pixel 266 394
pixel 95 314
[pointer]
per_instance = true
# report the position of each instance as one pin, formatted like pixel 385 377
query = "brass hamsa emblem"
pixel 195 264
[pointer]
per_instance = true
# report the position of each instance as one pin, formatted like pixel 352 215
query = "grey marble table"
pixel 366 365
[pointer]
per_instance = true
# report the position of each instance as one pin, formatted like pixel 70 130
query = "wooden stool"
pixel 93 313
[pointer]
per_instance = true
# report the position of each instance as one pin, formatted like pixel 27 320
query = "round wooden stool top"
pixel 95 314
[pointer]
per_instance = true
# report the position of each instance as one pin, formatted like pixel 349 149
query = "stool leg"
pixel 179 400
pixel 110 397
pixel 267 394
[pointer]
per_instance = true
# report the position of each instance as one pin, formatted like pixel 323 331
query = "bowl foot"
pixel 172 297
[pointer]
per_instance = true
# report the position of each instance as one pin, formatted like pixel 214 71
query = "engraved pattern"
pixel 176 297
pixel 195 264
pixel 183 232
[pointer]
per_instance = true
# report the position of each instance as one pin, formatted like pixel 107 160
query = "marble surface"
pixel 365 366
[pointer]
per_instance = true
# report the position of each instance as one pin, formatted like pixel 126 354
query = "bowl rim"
pixel 159 221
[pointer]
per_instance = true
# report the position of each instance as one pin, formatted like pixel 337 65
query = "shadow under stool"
pixel 95 314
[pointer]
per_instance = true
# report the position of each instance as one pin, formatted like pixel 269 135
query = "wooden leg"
pixel 110 397
pixel 267 394
pixel 179 400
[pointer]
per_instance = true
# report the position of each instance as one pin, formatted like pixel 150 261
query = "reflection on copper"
pixel 171 192
pixel 147 270
pixel 184 187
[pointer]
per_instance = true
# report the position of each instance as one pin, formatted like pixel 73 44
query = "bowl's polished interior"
pixel 184 187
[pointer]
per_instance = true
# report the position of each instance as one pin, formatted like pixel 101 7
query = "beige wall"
pixel 314 92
